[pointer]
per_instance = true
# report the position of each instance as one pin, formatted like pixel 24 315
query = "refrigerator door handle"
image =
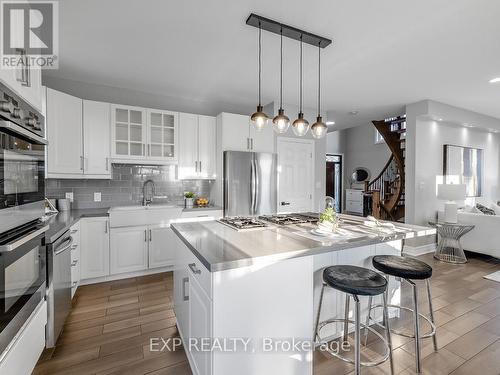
pixel 252 186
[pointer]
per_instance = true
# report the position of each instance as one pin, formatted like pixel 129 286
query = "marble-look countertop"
pixel 62 221
pixel 220 247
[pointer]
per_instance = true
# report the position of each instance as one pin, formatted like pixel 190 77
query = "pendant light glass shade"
pixel 300 126
pixel 259 119
pixel 281 122
pixel 319 128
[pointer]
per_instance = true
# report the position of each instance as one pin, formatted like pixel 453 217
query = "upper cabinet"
pixel 26 81
pixel 78 133
pixel 96 139
pixel 238 134
pixel 197 146
pixel 64 134
pixel 143 135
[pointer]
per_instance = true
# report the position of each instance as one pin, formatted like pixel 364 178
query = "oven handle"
pixel 14 245
pixel 65 246
pixel 12 127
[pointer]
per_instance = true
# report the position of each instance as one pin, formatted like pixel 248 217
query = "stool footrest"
pixel 363 326
pixel 431 333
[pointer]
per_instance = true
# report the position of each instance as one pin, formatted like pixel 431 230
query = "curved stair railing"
pixel 387 189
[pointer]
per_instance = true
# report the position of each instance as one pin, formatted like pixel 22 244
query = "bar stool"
pixel 408 269
pixel 354 282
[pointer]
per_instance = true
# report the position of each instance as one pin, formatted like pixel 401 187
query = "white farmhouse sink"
pixel 126 216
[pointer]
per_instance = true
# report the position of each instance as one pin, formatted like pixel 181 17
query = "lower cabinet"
pixel 200 325
pixel 140 248
pixel 161 251
pixel 129 249
pixel 75 258
pixel 94 252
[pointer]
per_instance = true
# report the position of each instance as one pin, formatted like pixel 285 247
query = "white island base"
pixel 248 306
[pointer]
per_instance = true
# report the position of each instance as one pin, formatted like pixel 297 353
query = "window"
pixel 378 137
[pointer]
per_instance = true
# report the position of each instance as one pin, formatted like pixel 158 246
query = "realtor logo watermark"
pixel 29 34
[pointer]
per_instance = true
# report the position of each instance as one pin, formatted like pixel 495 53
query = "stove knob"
pixel 18 113
pixel 31 122
pixel 6 107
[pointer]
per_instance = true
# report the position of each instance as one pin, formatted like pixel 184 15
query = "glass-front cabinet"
pixel 162 128
pixel 143 134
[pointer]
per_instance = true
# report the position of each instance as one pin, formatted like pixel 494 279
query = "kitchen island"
pixel 246 301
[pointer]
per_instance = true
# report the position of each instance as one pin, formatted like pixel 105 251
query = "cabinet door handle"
pixel 185 297
pixel 107 164
pixel 149 150
pixel 74 263
pixel 145 235
pixel 194 269
pixel 196 166
pixel 251 143
pixel 285 203
pixel 150 235
pixel 81 163
pixel 248 143
pixel 200 165
pixel 106 227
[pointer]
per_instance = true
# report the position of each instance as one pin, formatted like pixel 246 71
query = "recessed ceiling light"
pixel 330 122
pixel 439 119
pixel 495 80
pixel 353 113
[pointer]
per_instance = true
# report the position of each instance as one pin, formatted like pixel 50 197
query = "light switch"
pixel 69 196
pixel 97 196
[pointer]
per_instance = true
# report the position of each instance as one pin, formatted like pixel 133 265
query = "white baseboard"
pixel 419 250
pixel 126 275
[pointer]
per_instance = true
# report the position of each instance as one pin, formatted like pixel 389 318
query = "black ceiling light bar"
pixel 288 31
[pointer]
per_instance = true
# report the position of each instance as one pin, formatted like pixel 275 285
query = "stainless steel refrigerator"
pixel 250 183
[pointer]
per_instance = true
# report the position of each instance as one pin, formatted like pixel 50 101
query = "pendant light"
pixel 259 119
pixel 319 128
pixel 300 126
pixel 281 122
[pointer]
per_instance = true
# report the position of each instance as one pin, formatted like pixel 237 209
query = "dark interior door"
pixel 334 179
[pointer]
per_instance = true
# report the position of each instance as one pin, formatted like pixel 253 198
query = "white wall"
pixel 424 161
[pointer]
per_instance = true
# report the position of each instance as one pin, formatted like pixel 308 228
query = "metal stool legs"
pixel 417 336
pixel 357 332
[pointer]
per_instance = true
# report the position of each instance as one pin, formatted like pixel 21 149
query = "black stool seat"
pixel 405 267
pixel 355 280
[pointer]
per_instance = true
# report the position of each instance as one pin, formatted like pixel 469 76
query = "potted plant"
pixel 188 199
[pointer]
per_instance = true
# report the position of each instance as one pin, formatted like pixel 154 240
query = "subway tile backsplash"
pixel 125 187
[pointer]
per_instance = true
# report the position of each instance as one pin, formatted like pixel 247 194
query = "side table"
pixel 449 248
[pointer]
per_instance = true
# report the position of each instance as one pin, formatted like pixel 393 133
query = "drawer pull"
pixel 194 269
pixel 74 263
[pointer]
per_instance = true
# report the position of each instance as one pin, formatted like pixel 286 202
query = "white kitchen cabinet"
pixel 64 134
pixel 23 353
pixel 26 82
pixel 162 135
pixel 238 134
pixel 96 139
pixel 143 135
pixel 354 201
pixel 94 251
pixel 197 146
pixel 161 246
pixel 128 133
pixel 129 249
pixel 75 258
pixel 181 286
pixel 200 326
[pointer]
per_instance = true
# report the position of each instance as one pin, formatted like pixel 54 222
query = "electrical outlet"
pixel 69 196
pixel 97 196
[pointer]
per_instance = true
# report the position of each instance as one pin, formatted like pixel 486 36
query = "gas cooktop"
pixel 290 219
pixel 242 222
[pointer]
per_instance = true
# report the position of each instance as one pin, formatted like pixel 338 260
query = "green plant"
pixel 189 194
pixel 328 215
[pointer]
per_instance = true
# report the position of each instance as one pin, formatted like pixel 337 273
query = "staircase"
pixel 388 188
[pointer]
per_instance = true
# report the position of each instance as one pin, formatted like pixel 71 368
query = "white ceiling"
pixel 385 54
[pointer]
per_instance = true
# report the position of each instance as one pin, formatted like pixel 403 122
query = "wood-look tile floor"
pixel 111 324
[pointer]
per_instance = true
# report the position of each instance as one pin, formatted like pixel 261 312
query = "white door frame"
pixel 311 142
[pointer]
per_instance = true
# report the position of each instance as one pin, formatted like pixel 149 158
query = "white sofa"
pixel 485 237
